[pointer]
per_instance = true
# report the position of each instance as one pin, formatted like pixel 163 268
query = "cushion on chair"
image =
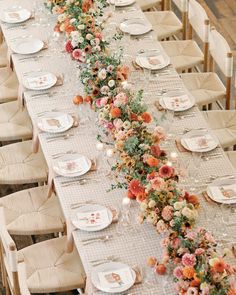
pixel 31 212
pixel 19 165
pixel 148 4
pixel 223 123
pixel 205 87
pixel 232 157
pixel 183 54
pixel 8 85
pixel 15 122
pixel 50 269
pixel 164 23
pixel 3 55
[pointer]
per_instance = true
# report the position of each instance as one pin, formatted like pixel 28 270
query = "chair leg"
pixel 210 106
pixel 235 147
pixel 189 70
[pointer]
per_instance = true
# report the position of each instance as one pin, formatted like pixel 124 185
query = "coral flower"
pixel 115 112
pixel 141 196
pixel 188 272
pixel 77 54
pixel 130 195
pixel 178 272
pixel 167 213
pixel 152 162
pixel 166 171
pixel 192 199
pixel 133 117
pixel 68 47
pixel 231 291
pixel 136 187
pixel 156 151
pixel 188 259
pixel 146 117
pixel 78 99
pixel 219 266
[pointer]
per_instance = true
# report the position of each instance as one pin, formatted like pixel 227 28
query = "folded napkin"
pixel 151 62
pixel 199 142
pixel 90 289
pixel 225 192
pixel 178 102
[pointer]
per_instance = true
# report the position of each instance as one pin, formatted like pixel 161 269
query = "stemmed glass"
pixel 124 224
pixel 167 122
pixel 112 5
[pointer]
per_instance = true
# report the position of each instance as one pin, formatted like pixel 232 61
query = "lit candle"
pixel 126 203
pixel 169 163
pixel 99 146
pixel 110 153
pixel 173 156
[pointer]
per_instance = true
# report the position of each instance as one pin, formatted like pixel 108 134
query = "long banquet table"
pixel 130 249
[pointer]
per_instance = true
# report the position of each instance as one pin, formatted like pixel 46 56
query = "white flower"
pixel 111 83
pixel 126 125
pixel 101 116
pixel 81 27
pixel 72 20
pixel 96 48
pixel 97 41
pixel 74 43
pixel 61 17
pixel 74 34
pixel 102 74
pixel 188 213
pixel 179 205
pixel 151 204
pixel 92 42
pixel 80 39
pixel 85 80
pixel 89 36
pixel 104 89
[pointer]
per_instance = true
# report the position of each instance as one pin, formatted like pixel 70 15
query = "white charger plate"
pixel 136 26
pixel 221 182
pixel 92 208
pixel 110 266
pixel 27 46
pixel 52 115
pixel 196 133
pixel 175 94
pixel 52 80
pixel 86 167
pixel 142 59
pixel 121 3
pixel 24 14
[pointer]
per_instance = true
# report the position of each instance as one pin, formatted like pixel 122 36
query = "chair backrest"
pixel 199 20
pixel 221 54
pixel 182 5
pixel 9 256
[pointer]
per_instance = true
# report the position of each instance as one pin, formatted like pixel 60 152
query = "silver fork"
pixel 103 239
pixel 58 155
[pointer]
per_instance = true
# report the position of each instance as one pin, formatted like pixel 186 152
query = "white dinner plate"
pixel 15 15
pixel 111 267
pixel 72 165
pixel 92 208
pixel 221 182
pixel 177 101
pixel 55 122
pixel 212 143
pixel 136 26
pixel 39 80
pixel 121 3
pixel 153 59
pixel 27 46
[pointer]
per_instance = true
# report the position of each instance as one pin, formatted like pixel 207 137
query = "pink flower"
pixel 118 123
pixel 191 235
pixel 176 243
pixel 120 99
pixel 77 54
pixel 68 47
pixel 166 171
pixel 98 35
pixel 159 132
pixel 209 238
pixel 189 259
pixel 110 69
pixel 156 151
pixel 161 226
pixel 157 183
pixel 199 251
pixel 192 291
pixel 167 213
pixel 178 272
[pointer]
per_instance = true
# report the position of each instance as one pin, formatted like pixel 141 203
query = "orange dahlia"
pixel 188 272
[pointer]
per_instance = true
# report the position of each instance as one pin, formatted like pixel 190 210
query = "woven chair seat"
pixel 50 269
pixel 8 85
pixel 164 23
pixel 148 4
pixel 19 165
pixel 223 124
pixel 205 87
pixel 184 54
pixel 15 123
pixel 31 212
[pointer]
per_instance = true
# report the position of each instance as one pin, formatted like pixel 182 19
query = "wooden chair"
pixel 208 87
pixel 19 165
pixel 164 23
pixel 33 211
pixel 3 54
pixel 8 85
pixel 149 4
pixel 186 54
pixel 44 267
pixel 182 6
